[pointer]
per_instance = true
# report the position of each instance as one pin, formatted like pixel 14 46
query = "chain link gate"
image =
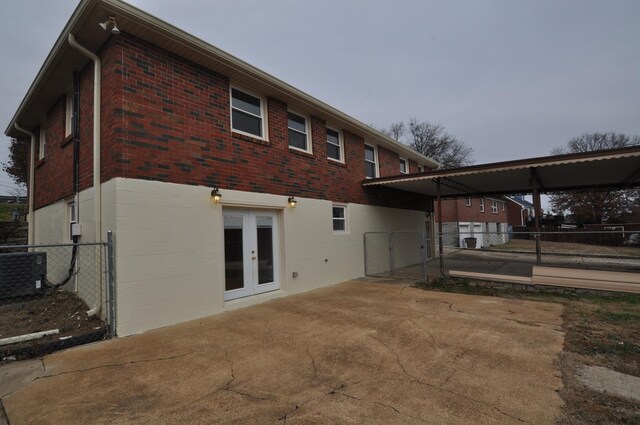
pixel 395 254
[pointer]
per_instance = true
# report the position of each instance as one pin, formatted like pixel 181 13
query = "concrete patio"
pixel 365 351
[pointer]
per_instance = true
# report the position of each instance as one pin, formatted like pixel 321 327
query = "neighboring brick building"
pixel 520 211
pixel 484 219
pixel 180 118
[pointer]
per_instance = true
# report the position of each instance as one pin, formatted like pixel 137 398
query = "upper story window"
pixel 247 113
pixel 68 114
pixel 370 161
pixel 42 143
pixel 421 168
pixel 494 207
pixel 503 207
pixel 298 132
pixel 334 145
pixel 404 166
pixel 481 204
pixel 467 201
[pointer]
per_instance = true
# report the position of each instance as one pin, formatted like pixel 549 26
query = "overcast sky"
pixel 513 79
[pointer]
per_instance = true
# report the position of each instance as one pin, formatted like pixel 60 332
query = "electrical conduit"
pixel 97 192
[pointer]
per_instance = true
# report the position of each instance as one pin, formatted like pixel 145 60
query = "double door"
pixel 251 253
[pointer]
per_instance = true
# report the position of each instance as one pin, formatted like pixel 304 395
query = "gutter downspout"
pixel 97 190
pixel 32 172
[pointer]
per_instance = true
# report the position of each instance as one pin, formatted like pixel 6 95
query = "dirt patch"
pixel 59 309
pixel 599 332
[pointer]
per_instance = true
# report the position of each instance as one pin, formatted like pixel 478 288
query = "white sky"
pixel 513 79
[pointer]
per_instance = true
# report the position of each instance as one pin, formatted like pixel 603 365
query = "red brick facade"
pixel 167 119
pixel 457 210
pixel 516 215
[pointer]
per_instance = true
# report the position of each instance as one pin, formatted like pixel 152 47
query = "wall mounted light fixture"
pixel 112 20
pixel 216 195
pixel 292 202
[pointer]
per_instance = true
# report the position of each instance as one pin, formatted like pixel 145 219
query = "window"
pixel 494 207
pixel 68 115
pixel 370 162
pixel 71 217
pixel 334 145
pixel 467 201
pixel 339 218
pixel 247 113
pixel 42 143
pixel 421 168
pixel 502 205
pixel 404 166
pixel 481 204
pixel 298 132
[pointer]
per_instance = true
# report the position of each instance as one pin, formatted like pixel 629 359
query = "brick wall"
pixel 516 215
pixel 455 210
pixel 167 119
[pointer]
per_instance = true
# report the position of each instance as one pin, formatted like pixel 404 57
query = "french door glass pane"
pixel 265 249
pixel 233 253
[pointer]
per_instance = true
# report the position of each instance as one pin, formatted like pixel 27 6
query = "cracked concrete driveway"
pixel 357 352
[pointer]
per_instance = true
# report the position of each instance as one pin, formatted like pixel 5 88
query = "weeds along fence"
pixel 395 254
pixel 55 296
pixel 599 250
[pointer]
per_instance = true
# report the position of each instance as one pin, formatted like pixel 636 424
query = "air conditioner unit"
pixel 22 273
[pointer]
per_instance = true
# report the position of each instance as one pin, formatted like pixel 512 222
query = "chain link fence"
pixel 55 296
pixel 611 250
pixel 401 254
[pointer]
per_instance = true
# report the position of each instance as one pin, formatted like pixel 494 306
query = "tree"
pixel 433 141
pixel 17 167
pixel 596 207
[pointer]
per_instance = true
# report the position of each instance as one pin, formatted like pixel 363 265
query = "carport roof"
pixel 597 170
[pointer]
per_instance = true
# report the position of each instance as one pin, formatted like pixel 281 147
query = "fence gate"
pixel 400 254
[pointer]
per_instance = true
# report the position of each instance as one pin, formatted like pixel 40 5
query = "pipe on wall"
pixel 97 190
pixel 32 166
pixel 97 77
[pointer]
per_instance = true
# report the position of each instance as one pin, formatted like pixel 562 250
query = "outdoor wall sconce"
pixel 292 202
pixel 216 195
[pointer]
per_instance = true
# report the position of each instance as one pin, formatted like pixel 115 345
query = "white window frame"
pixel 345 219
pixel 467 201
pixel 421 168
pixel 494 206
pixel 68 114
pixel 404 161
pixel 42 142
pixel 481 204
pixel 340 145
pixel 375 158
pixel 307 126
pixel 503 206
pixel 263 113
pixel 70 213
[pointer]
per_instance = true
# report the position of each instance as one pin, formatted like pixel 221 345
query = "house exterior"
pixel 223 186
pixel 483 219
pixel 520 212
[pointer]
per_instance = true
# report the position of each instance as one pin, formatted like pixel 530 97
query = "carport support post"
pixel 537 211
pixel 440 249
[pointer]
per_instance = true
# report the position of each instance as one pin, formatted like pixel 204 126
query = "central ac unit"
pixel 22 273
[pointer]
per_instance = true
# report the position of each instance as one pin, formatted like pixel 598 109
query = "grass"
pixel 599 331
pixel 565 247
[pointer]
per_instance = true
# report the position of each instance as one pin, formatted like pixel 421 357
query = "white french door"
pixel 251 253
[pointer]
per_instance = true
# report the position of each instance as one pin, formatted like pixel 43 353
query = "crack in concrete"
pixel 313 362
pixel 381 404
pixel 433 340
pixel 439 388
pixel 159 359
pixel 227 386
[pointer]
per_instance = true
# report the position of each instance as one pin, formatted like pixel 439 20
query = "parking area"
pixel 364 351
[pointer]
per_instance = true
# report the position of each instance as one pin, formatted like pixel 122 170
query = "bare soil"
pixel 599 331
pixel 58 309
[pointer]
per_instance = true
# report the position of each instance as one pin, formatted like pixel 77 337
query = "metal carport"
pixel 597 170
